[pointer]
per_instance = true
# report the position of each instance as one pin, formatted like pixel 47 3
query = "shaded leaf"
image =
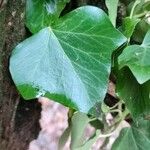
pixel 141 7
pixel 140 31
pixel 79 123
pixel 137 137
pixel 137 57
pixel 97 124
pixel 146 6
pixel 43 13
pixel 88 144
pixel 64 137
pixel 135 96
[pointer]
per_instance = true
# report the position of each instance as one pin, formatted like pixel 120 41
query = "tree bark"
pixel 18 118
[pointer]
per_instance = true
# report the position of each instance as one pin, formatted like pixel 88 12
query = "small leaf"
pixel 64 137
pixel 43 13
pixel 138 7
pixel 146 41
pixel 112 6
pixel 97 124
pixel 137 137
pixel 69 62
pixel 135 96
pixel 88 144
pixel 146 6
pixel 140 31
pixel 79 123
pixel 129 25
pixel 137 57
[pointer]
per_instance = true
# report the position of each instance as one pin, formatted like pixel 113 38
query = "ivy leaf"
pixel 42 13
pixel 137 57
pixel 135 95
pixel 141 29
pixel 88 144
pixel 70 62
pixel 129 25
pixel 112 6
pixel 79 123
pixel 146 6
pixel 137 137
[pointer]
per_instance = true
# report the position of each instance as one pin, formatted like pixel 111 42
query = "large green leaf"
pixel 135 95
pixel 137 137
pixel 70 62
pixel 42 13
pixel 137 58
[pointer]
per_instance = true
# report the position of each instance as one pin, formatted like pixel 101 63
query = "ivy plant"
pixel 71 59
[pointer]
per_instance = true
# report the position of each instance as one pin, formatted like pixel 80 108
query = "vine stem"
pixel 116 124
pixel 117 120
pixel 115 105
pixel 142 14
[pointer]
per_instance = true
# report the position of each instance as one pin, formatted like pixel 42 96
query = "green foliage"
pixel 128 26
pixel 136 57
pixel 135 95
pixel 141 11
pixel 43 13
pixel 112 6
pixel 74 58
pixel 137 137
pixel 79 123
pixel 69 60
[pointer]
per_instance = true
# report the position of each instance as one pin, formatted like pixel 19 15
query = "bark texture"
pixel 18 118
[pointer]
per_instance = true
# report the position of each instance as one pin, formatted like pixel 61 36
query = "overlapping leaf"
pixel 137 58
pixel 112 6
pixel 128 26
pixel 135 96
pixel 42 13
pixel 69 62
pixel 137 137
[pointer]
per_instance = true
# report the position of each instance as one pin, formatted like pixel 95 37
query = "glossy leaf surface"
pixel 137 58
pixel 42 13
pixel 70 62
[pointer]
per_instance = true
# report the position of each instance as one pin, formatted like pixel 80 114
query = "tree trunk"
pixel 18 118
